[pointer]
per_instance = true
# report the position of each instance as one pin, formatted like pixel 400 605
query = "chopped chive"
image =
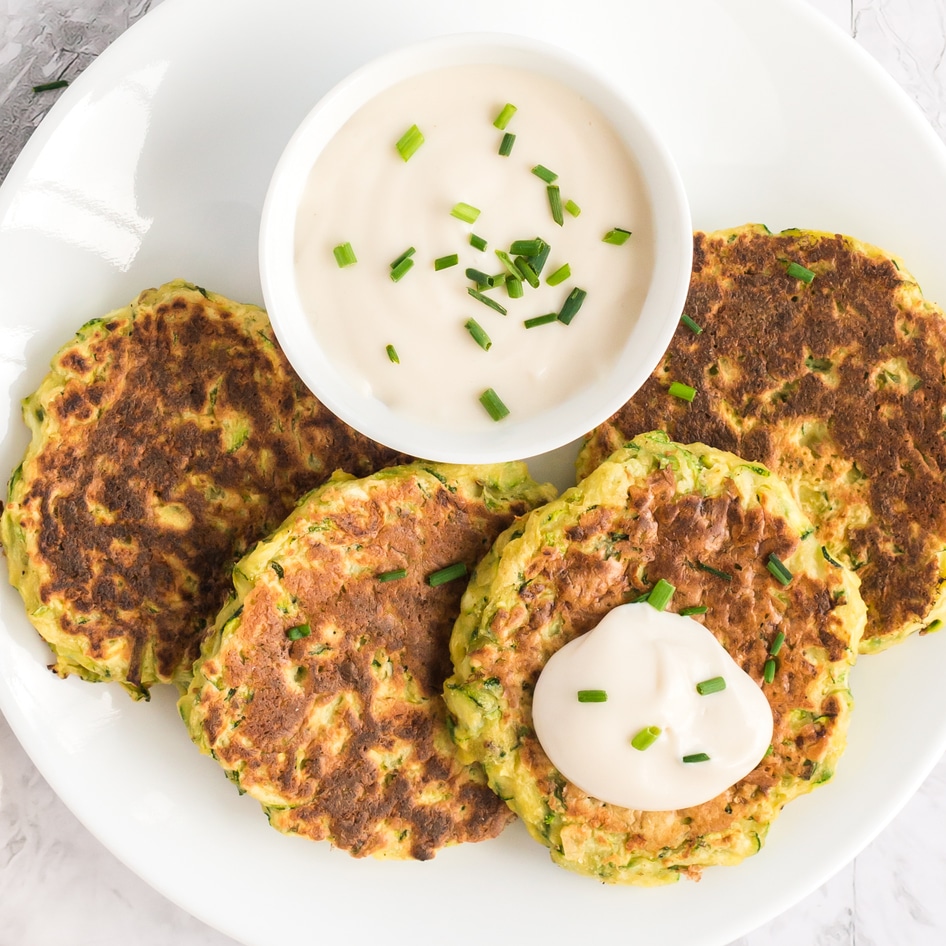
pixel 409 142
pixel 493 404
pixel 539 260
pixel 572 208
pixel 560 275
pixel 514 288
pixel 696 757
pixel 572 305
pixel 498 280
pixel 713 685
pixel 690 324
pixel 828 558
pixel 508 262
pixel 393 575
pixel 640 599
pixel 502 119
pixel 465 212
pixel 616 237
pixel 528 271
pixel 450 573
pixel 932 627
pixel 479 336
pixel 714 571
pixel 278 569
pixel 797 271
pixel 541 320
pixel 778 569
pixel 505 146
pixel 298 632
pixel 696 609
pixel 592 696
pixel 777 642
pixel 646 737
pixel 50 86
pixel 401 268
pixel 477 242
pixel 526 247
pixel 682 391
pixel 479 277
pixel 492 303
pixel 768 671
pixel 543 172
pixel 410 251
pixel 555 204
pixel 344 255
pixel 661 594
pixel 392 354
pixel 445 262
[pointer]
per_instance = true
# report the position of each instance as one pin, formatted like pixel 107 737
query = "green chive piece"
pixel 401 268
pixel 616 237
pixel 541 320
pixel 690 324
pixel 572 208
pixel 528 271
pixel 713 685
pixel 543 172
pixel 477 242
pixel 493 404
pixel 50 86
pixel 450 573
pixel 640 599
pixel 714 571
pixel 409 142
pixel 592 696
pixel 514 288
pixel 492 303
pixel 393 575
pixel 696 757
pixel 344 255
pixel 646 737
pixel 768 671
pixel 298 632
pixel 932 627
pixel 526 247
pixel 510 265
pixel 479 277
pixel 498 280
pixel 278 569
pixel 392 354
pixel 661 594
pixel 503 118
pixel 479 336
pixel 539 260
pixel 572 305
pixel 465 212
pixel 777 642
pixel 696 609
pixel 410 251
pixel 445 262
pixel 560 275
pixel 505 146
pixel 778 569
pixel 797 271
pixel 682 391
pixel 555 203
pixel 828 558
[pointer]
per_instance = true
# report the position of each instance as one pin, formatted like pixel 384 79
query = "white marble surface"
pixel 60 887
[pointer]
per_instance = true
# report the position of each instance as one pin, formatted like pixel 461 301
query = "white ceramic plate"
pixel 154 165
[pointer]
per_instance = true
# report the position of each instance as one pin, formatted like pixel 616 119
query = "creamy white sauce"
pixel 649 663
pixel 360 191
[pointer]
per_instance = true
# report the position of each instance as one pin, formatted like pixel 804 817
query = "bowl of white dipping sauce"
pixel 475 249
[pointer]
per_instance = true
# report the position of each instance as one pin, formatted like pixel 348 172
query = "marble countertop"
pixel 59 885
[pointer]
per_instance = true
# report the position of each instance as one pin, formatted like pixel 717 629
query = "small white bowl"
pixel 513 437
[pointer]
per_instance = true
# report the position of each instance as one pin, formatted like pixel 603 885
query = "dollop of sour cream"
pixel 361 191
pixel 648 664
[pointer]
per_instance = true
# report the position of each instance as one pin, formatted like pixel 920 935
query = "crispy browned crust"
pixel 838 386
pixel 343 735
pixel 147 415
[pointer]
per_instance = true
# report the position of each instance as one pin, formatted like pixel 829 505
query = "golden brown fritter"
pixel 836 384
pixel 705 521
pixel 320 691
pixel 168 437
